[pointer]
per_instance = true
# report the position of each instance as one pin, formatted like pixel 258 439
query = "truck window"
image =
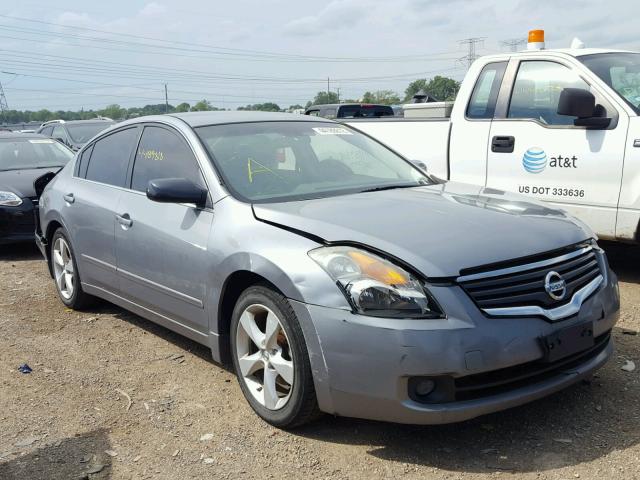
pixel 329 113
pixel 537 88
pixel 485 93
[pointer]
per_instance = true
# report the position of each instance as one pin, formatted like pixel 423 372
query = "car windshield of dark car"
pixel 21 154
pixel 276 161
pixel 619 70
pixel 82 133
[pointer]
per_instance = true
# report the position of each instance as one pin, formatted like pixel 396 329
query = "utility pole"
pixel 471 43
pixel 166 99
pixel 338 91
pixel 513 43
pixel 327 89
pixel 3 103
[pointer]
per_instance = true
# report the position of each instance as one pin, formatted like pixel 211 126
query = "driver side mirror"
pixel 581 103
pixel 176 190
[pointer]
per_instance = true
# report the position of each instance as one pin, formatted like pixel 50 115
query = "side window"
pixel 84 162
pixel 110 157
pixel 314 113
pixel 59 133
pixel 47 131
pixel 329 113
pixel 163 154
pixel 537 88
pixel 485 93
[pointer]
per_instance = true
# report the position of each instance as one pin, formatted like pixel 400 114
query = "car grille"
pixel 506 289
pixel 498 381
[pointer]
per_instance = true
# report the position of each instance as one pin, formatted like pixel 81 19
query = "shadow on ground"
pixel 624 259
pixel 81 456
pixel 20 252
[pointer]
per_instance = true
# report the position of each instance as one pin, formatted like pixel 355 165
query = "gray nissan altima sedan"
pixel 333 274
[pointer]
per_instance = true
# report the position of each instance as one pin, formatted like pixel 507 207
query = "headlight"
pixel 373 286
pixel 9 199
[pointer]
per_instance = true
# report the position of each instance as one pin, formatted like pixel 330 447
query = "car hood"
pixel 438 229
pixel 20 182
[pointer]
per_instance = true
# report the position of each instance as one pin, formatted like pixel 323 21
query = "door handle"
pixel 503 144
pixel 124 220
pixel 69 198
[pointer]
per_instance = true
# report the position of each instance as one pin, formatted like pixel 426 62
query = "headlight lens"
pixel 374 286
pixel 9 199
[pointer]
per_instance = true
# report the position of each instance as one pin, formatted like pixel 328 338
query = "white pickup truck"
pixel 559 125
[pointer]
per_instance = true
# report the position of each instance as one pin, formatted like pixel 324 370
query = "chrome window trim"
pixel 525 267
pixel 552 314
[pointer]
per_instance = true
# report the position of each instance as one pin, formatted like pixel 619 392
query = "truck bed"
pixel 425 139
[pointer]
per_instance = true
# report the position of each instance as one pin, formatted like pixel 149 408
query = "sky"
pixel 73 54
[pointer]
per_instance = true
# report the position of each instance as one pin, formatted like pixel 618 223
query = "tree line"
pixel 441 88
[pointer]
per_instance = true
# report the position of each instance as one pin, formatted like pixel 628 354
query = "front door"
pixel 539 153
pixel 161 248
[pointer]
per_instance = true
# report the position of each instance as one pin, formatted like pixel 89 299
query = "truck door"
pixel 537 152
pixel 471 125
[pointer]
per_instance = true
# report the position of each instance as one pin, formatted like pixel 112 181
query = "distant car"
pixel 350 110
pixel 74 133
pixel 23 158
pixel 329 271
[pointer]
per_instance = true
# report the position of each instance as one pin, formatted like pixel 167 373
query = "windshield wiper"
pixel 390 187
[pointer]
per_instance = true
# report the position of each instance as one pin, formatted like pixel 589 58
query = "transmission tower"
pixel 471 43
pixel 513 43
pixel 3 103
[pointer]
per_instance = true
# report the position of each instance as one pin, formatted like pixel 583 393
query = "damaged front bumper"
pixel 370 368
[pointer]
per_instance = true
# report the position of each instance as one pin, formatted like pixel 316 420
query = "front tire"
pixel 65 273
pixel 271 360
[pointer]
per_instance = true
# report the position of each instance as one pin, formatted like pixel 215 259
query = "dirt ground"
pixel 116 395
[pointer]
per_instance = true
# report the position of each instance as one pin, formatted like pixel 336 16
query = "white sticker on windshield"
pixel 43 140
pixel 331 131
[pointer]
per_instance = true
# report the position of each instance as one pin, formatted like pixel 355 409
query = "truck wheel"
pixel 65 273
pixel 271 360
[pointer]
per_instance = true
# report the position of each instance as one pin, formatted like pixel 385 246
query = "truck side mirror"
pixel 581 103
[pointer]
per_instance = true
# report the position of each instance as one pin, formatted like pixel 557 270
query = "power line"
pixel 513 43
pixel 471 43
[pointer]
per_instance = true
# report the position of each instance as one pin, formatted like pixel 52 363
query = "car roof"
pixel 334 105
pixel 4 135
pixel 199 119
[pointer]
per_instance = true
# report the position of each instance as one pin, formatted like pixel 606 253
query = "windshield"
pixel 276 161
pixel 21 154
pixel 621 71
pixel 82 133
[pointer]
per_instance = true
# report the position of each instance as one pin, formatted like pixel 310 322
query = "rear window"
pixel 369 111
pixel 82 133
pixel 110 157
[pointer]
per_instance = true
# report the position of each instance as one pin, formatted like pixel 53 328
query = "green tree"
pixel 322 98
pixel 384 97
pixel 262 107
pixel 114 111
pixel 202 106
pixel 442 88
pixel 183 107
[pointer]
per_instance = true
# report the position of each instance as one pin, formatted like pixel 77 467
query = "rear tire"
pixel 270 358
pixel 65 273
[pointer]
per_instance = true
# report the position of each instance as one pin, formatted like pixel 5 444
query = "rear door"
pixel 161 248
pixel 90 206
pixel 537 152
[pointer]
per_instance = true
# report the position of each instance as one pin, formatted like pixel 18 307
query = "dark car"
pixel 75 133
pixel 350 110
pixel 24 158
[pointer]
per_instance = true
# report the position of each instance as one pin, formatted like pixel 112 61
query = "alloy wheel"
pixel 264 357
pixel 63 268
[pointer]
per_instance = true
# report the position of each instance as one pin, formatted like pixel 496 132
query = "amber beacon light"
pixel 536 40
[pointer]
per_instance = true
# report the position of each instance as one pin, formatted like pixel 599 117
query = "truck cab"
pixel 558 125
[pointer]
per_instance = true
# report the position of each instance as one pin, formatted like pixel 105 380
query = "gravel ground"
pixel 116 395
